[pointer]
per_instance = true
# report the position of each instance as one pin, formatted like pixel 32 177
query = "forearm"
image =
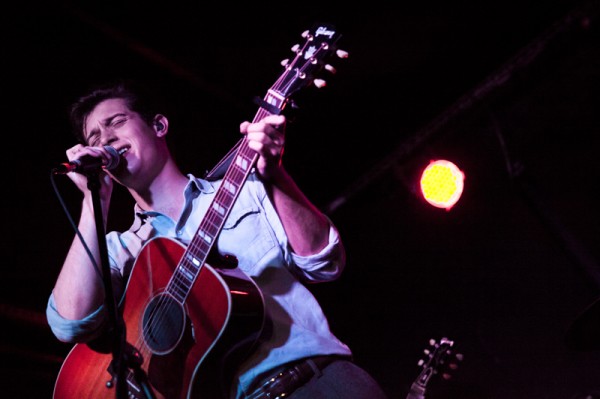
pixel 78 290
pixel 305 225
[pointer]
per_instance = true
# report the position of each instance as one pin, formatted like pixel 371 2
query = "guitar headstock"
pixel 441 359
pixel 309 59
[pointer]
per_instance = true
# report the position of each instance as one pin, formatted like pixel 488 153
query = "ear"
pixel 161 125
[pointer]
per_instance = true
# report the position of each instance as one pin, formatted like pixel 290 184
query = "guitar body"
pixel 188 351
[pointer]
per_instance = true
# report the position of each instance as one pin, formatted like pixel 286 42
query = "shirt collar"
pixel 193 188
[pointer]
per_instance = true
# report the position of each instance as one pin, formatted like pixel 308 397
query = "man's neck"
pixel 165 193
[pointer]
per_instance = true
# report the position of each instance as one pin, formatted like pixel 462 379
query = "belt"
pixel 292 377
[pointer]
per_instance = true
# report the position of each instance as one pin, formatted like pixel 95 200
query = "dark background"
pixel 507 90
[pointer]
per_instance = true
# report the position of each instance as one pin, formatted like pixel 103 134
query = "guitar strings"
pixel 155 322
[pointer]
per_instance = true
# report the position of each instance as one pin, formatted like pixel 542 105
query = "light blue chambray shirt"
pixel 253 233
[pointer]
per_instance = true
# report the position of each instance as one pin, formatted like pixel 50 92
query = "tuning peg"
pixel 330 68
pixel 420 362
pixel 446 376
pixel 319 83
pixel 285 62
pixel 295 48
pixel 341 53
pixel 305 33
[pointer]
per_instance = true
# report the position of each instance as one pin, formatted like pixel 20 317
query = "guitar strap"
pixel 218 171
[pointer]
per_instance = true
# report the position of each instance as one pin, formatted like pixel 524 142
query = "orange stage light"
pixel 442 184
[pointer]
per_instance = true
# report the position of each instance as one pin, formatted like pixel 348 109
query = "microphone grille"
pixel 114 159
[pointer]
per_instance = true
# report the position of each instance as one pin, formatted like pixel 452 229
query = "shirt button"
pixel 179 232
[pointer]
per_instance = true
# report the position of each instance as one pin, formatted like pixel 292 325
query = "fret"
pixel 193 248
pixel 206 237
pixel 229 187
pixel 242 162
pixel 218 208
pixel 178 292
pixel 211 227
pixel 225 201
pixel 193 260
pixel 199 247
pixel 185 273
pixel 274 98
pixel 239 175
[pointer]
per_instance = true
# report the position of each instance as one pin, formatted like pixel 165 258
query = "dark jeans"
pixel 341 379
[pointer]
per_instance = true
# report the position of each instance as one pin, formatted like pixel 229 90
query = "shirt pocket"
pixel 247 236
pixel 237 216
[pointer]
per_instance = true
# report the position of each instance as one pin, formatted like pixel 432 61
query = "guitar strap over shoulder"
pixel 218 171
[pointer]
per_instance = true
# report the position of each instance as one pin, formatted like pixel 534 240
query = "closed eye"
pixel 118 122
pixel 92 139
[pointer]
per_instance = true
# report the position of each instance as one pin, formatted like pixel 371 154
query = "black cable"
pixel 74 225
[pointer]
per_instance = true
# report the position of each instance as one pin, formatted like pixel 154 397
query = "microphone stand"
pixel 124 356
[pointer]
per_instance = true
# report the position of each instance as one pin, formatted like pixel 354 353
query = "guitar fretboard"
pixel 296 74
pixel 199 248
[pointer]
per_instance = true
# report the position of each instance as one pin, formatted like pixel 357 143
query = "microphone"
pixel 88 163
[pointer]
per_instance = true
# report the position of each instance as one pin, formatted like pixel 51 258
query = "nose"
pixel 108 136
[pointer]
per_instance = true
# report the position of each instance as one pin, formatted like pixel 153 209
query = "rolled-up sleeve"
pixel 74 331
pixel 326 265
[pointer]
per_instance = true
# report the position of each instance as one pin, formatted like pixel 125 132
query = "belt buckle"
pixel 284 382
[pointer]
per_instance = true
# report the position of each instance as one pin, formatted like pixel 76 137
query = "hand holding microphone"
pixel 89 163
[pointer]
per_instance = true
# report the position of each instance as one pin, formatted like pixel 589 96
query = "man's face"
pixel 113 123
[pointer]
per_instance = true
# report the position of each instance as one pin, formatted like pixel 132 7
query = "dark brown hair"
pixel 138 98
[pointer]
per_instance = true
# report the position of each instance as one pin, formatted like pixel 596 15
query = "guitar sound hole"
pixel 164 321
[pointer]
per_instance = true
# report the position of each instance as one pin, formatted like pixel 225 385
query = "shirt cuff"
pixel 325 265
pixel 74 331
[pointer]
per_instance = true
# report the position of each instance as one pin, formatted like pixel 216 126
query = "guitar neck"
pixel 418 387
pixel 416 393
pixel 297 74
pixel 199 248
pixel 437 362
